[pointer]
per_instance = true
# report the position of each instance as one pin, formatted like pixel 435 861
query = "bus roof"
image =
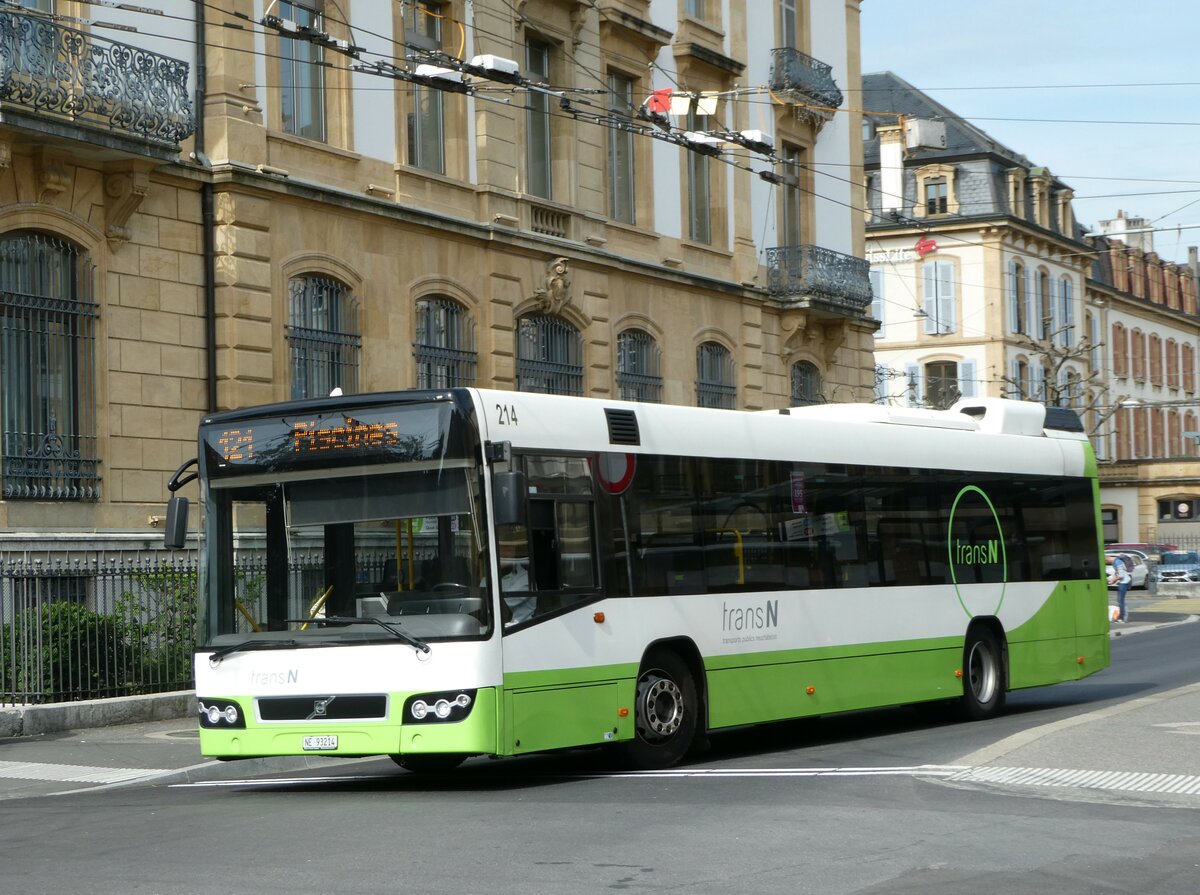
pixel 981 433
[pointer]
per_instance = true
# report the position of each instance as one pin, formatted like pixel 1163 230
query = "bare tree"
pixel 1088 394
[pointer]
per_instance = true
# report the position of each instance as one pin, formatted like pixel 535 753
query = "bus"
pixel 437 574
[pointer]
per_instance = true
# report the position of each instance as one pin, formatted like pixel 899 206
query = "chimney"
pixel 891 168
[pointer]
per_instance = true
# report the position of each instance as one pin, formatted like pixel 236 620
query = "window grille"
pixel 806 384
pixel 47 370
pixel 549 356
pixel 323 336
pixel 714 377
pixel 639 373
pixel 445 344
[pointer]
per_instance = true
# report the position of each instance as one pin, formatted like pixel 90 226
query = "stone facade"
pixel 193 241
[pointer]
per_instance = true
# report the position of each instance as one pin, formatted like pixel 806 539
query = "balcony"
pixel 797 73
pixel 67 83
pixel 819 278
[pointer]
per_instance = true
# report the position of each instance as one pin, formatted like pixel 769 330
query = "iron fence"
pixel 101 624
pixel 90 626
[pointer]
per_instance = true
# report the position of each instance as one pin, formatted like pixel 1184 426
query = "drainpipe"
pixel 207 218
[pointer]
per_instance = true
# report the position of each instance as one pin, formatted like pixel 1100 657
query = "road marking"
pixel 71 773
pixel 1188 727
pixel 1062 778
pixel 1121 781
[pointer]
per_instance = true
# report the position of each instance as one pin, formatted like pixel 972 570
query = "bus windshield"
pixel 405 546
pixel 361 507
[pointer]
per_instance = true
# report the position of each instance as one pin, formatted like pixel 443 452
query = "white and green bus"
pixel 432 575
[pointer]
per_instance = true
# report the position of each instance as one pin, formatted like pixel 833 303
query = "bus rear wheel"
pixel 666 713
pixel 983 675
pixel 432 763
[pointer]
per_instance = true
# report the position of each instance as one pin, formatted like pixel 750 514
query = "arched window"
pixel 47 369
pixel 549 356
pixel 639 374
pixel 444 346
pixel 715 382
pixel 806 384
pixel 323 336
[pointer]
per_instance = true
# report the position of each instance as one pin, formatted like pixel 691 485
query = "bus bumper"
pixel 473 735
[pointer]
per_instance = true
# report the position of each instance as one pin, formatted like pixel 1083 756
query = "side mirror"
pixel 175 531
pixel 508 497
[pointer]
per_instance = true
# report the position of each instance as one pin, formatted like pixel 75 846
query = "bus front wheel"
pixel 665 712
pixel 983 675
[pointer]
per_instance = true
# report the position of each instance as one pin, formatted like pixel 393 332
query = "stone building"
pixel 985 284
pixel 271 200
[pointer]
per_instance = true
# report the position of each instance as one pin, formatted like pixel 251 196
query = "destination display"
pixel 369 435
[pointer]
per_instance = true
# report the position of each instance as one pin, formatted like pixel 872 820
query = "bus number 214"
pixel 506 414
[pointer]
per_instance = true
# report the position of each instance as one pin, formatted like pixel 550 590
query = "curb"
pixel 31 720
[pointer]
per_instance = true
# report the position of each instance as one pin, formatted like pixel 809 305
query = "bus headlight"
pixel 220 713
pixel 427 708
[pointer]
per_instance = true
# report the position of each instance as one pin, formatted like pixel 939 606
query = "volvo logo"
pixel 320 708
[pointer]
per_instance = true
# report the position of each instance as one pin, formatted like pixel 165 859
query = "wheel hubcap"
pixel 661 703
pixel 981 670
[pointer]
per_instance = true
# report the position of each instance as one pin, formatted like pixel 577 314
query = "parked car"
pixel 1139 571
pixel 1150 551
pixel 1179 565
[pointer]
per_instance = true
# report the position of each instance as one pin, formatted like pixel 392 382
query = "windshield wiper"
pixel 224 651
pixel 415 642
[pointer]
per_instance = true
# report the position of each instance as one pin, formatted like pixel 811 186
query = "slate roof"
pixel 886 92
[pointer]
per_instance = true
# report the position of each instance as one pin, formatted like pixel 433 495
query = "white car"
pixel 1139 571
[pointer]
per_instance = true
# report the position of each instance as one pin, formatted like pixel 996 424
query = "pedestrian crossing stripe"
pixel 71 773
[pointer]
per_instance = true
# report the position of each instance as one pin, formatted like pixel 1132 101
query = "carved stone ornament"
pixel 123 194
pixel 5 155
pixel 51 175
pixel 555 293
pixel 819 339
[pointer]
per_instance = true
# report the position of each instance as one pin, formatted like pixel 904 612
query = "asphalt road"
pixel 1089 787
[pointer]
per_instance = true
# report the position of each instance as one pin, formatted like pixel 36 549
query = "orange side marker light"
pixel 1081 660
pixel 958 673
pixel 811 690
pixel 622 713
pixel 598 618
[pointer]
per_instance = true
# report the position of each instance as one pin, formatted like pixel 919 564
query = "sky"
pixel 1104 93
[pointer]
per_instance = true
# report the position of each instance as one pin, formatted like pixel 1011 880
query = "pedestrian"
pixel 1121 578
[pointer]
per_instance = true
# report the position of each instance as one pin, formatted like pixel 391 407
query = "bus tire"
pixel 666 713
pixel 432 763
pixel 983 675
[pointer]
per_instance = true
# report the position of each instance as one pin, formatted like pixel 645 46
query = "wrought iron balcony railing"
pixel 808 271
pixel 56 71
pixel 792 70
